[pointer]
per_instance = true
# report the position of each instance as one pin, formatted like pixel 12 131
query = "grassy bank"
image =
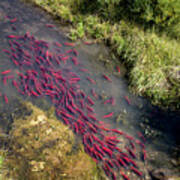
pixel 143 34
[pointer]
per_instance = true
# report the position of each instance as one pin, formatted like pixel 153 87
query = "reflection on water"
pixel 130 114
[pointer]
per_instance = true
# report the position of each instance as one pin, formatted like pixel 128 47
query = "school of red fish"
pixel 40 72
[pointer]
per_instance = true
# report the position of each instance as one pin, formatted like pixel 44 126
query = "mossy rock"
pixel 42 147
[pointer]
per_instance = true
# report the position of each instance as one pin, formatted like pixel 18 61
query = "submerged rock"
pixel 41 147
pixel 160 174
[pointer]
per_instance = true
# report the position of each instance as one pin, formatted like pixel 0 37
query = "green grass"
pixel 155 66
pixel 147 40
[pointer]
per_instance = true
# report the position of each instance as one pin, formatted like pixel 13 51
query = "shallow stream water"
pixel 160 127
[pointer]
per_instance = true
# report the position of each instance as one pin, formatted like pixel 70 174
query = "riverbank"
pixel 152 58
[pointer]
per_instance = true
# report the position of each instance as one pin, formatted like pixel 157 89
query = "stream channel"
pixel 131 114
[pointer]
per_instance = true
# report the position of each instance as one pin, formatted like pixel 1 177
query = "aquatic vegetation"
pixel 121 26
pixel 43 148
pixel 3 154
pixel 1 161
